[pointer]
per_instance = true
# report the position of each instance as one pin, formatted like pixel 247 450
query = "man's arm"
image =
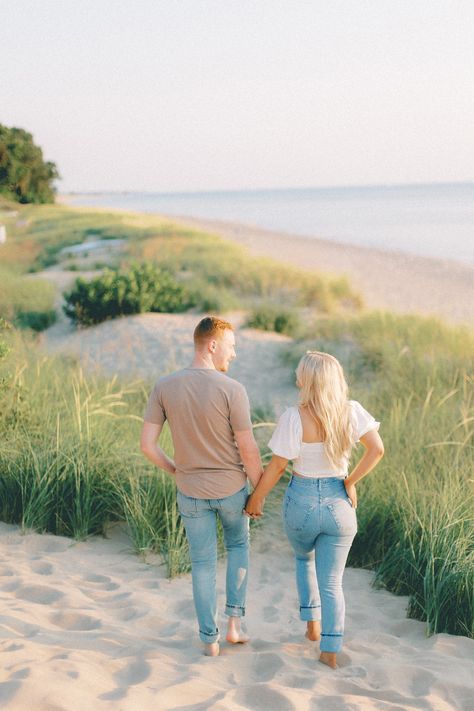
pixel 250 455
pixel 151 449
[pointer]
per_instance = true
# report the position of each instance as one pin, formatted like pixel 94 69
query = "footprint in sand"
pixel 75 622
pixel 6 572
pixel 260 697
pixel 39 594
pixel 266 666
pixel 103 581
pixel 42 568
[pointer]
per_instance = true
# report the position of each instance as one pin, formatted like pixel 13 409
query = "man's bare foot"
pixel 234 632
pixel 211 650
pixel 313 630
pixel 328 658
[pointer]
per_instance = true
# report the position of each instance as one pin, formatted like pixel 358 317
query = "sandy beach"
pixel 397 281
pixel 91 625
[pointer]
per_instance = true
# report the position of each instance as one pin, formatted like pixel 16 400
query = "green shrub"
pixel 273 318
pixel 142 288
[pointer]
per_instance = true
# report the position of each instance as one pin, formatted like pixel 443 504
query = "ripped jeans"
pixel 320 524
pixel 199 519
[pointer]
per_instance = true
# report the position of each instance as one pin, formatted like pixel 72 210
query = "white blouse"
pixel 310 458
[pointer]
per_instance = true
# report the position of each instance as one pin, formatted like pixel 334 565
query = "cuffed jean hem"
pixel 311 613
pixel 331 643
pixel 234 611
pixel 209 638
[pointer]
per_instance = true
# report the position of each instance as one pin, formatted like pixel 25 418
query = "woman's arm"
pixel 374 452
pixel 272 474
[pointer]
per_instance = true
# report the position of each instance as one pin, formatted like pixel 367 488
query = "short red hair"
pixel 210 327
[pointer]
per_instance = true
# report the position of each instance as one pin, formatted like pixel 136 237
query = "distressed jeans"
pixel 320 524
pixel 200 521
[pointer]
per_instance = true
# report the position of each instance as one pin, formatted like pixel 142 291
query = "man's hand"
pixel 352 494
pixel 254 506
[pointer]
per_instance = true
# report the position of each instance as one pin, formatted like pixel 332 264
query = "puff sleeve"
pixel 362 421
pixel 286 439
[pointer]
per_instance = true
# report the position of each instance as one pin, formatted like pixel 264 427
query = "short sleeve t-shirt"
pixel 204 408
pixel 310 458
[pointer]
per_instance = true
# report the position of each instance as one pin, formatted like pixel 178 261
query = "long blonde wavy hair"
pixel 323 391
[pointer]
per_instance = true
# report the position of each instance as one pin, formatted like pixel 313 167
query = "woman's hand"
pixel 352 494
pixel 254 506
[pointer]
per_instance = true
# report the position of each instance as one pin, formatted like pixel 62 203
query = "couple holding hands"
pixel 215 453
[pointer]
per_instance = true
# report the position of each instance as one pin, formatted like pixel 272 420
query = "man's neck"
pixel 202 361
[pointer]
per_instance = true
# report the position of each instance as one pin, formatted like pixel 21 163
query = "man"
pixel 214 452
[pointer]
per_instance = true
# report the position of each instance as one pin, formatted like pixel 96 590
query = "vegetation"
pixel 416 510
pixel 140 289
pixel 270 317
pixel 26 302
pixel 24 175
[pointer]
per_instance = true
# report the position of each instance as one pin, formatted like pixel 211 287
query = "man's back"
pixel 203 408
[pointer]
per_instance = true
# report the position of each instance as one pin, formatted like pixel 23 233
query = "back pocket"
pixel 296 513
pixel 344 516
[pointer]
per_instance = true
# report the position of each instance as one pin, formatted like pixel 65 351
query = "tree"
pixel 24 175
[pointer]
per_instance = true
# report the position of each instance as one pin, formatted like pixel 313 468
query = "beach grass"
pixel 416 511
pixel 218 274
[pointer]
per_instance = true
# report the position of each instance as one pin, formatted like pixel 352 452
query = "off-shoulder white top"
pixel 310 458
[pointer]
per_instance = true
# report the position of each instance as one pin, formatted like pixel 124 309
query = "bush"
pixel 142 288
pixel 272 318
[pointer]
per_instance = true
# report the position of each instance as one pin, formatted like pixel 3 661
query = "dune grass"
pixel 416 511
pixel 26 302
pixel 218 274
pixel 69 457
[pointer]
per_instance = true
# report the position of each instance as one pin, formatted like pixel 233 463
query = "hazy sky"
pixel 165 95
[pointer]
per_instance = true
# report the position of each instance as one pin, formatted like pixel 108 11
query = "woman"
pixel 321 499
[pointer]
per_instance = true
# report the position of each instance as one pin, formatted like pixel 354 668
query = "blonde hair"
pixel 323 391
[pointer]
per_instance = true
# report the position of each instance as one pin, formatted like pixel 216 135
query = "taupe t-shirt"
pixel 204 408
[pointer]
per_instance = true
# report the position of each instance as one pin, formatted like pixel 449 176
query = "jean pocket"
pixel 344 516
pixel 187 505
pixel 296 513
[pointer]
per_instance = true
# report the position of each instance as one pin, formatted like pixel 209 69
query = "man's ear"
pixel 213 346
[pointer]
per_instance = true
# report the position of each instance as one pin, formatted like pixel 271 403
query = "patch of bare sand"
pixel 397 281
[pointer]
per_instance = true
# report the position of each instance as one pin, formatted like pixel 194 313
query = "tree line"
pixel 24 175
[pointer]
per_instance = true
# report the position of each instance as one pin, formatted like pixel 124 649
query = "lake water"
pixel 428 220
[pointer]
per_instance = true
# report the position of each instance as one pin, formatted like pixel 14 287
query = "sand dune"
pixel 91 625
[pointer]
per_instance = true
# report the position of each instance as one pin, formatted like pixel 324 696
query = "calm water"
pixel 429 220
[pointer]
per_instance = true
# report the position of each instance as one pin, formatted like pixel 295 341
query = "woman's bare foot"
pixel 328 658
pixel 211 650
pixel 234 632
pixel 313 630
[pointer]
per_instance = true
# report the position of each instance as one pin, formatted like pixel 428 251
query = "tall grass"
pixel 26 302
pixel 416 511
pixel 219 274
pixel 69 457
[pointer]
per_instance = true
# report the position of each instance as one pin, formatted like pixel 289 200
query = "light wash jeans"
pixel 320 524
pixel 199 518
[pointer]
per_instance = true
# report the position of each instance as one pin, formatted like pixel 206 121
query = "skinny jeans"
pixel 199 517
pixel 320 523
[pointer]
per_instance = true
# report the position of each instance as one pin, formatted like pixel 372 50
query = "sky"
pixel 190 95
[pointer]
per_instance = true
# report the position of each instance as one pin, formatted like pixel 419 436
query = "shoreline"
pixel 396 281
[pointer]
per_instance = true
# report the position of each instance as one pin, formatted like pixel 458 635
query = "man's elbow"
pixel 379 450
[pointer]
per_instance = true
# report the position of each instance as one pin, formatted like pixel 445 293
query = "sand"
pixel 397 281
pixel 91 625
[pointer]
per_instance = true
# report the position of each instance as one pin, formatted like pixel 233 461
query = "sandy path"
pixel 90 625
pixel 393 280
